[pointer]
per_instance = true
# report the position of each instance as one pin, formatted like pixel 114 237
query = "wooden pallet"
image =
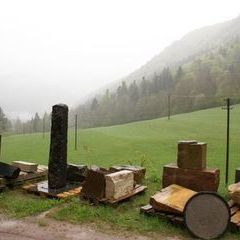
pixel 38 189
pixel 235 216
pixel 138 189
pixel 176 219
pixel 24 177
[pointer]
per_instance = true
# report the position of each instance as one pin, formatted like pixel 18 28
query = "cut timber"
pixel 139 172
pixel 192 155
pixel 119 184
pixel 234 192
pixel 171 199
pixel 25 166
pixel 196 180
pixel 8 171
pixel 76 173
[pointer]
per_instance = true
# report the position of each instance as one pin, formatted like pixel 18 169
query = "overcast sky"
pixel 61 51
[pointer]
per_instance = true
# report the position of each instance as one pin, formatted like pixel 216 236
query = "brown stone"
pixel 194 179
pixel 95 184
pixel 8 171
pixel 171 199
pixel 76 173
pixel 237 175
pixel 192 155
pixel 139 172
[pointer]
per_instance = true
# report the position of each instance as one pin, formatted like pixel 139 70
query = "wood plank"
pixel 171 199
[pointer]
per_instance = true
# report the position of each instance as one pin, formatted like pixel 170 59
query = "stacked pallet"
pixel 191 170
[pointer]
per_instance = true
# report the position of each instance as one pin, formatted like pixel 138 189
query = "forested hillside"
pixel 200 83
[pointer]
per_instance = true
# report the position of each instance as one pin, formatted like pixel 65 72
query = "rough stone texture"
pixel 237 175
pixel 119 184
pixel 139 172
pixel 57 166
pixel 95 184
pixel 207 215
pixel 76 173
pixel 9 171
pixel 192 155
pixel 171 199
pixel 234 192
pixel 196 180
pixel 25 166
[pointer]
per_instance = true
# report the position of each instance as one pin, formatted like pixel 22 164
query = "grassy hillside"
pixel 152 143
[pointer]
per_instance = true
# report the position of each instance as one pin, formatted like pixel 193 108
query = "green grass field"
pixel 152 143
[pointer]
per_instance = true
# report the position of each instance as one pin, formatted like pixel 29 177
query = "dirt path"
pixel 44 228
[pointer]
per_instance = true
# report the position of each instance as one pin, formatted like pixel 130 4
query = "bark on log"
pixel 237 175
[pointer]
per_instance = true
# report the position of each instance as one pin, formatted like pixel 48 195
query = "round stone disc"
pixel 206 215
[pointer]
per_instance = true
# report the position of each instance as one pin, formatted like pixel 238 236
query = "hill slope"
pixel 192 44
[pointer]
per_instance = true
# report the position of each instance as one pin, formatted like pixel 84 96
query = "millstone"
pixel 206 215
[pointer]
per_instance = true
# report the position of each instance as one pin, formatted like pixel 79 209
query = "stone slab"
pixel 192 155
pixel 171 199
pixel 8 171
pixel 119 184
pixel 196 180
pixel 139 172
pixel 76 173
pixel 26 166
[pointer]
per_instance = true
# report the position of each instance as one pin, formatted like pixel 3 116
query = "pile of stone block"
pixel 191 170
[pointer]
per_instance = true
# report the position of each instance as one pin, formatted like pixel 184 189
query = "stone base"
pixel 196 180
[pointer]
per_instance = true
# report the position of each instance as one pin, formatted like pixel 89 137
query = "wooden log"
pixel 196 180
pixel 139 172
pixel 25 166
pixel 119 184
pixel 171 199
pixel 192 155
pixel 76 173
pixel 9 171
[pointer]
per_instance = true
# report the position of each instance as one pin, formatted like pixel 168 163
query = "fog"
pixel 62 51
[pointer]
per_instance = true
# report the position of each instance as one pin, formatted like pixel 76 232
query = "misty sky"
pixel 62 51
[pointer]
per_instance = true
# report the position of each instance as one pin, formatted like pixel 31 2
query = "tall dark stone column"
pixel 57 166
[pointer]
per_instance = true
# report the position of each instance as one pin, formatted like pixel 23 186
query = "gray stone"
pixel 57 166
